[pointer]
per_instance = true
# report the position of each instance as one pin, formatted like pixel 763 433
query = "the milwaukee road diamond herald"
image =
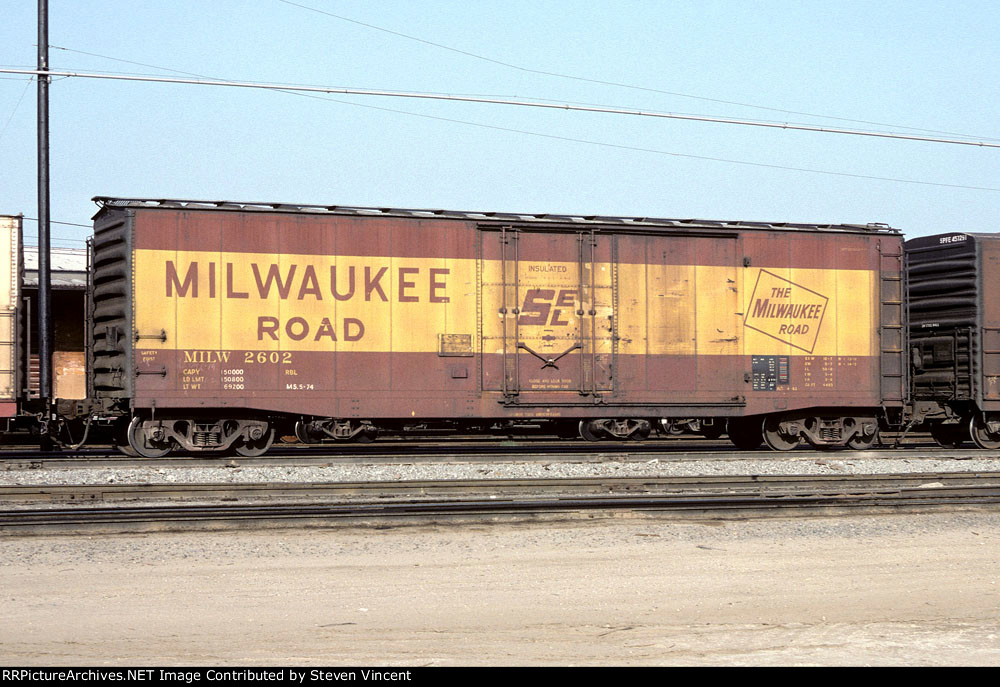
pixel 786 311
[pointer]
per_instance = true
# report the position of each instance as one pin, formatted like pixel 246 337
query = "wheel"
pixel 587 430
pixel 948 436
pixel 775 438
pixel 301 434
pixel 121 437
pixel 980 431
pixel 305 434
pixel 714 430
pixel 567 430
pixel 744 434
pixel 641 433
pixel 253 448
pixel 862 443
pixel 366 436
pixel 140 443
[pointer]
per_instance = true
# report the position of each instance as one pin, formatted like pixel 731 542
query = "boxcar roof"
pixel 107 202
pixel 936 239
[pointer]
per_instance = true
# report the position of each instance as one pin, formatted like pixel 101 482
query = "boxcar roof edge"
pixel 112 203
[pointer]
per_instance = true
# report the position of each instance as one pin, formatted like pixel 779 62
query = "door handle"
pixel 550 362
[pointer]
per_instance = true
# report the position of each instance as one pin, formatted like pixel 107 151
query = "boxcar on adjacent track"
pixel 954 280
pixel 11 366
pixel 217 325
pixel 21 409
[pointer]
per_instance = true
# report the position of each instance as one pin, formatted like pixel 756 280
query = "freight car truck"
pixel 218 325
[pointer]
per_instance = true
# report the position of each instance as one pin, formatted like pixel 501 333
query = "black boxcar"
pixel 954 313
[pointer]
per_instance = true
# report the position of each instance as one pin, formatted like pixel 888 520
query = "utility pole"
pixel 45 338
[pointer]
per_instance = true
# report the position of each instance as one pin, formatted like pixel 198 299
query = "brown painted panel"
pixel 667 372
pixel 237 373
pixel 249 232
pixel 818 251
pixel 263 234
pixel 419 372
pixel 433 386
pixel 362 372
pixel 990 304
pixel 161 228
pixel 191 230
pixel 990 276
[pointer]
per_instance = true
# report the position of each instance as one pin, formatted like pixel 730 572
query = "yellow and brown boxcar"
pixel 216 324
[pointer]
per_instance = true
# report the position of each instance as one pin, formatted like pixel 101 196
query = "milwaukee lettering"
pixel 304 282
pixel 294 282
pixel 765 308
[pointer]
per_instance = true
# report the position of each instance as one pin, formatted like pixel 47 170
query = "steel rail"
pixel 10 520
pixel 535 485
pixel 675 450
pixel 488 498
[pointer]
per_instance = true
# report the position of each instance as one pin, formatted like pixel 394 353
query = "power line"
pixel 69 224
pixel 616 84
pixel 498 101
pixel 308 92
pixel 567 138
pixel 16 105
pixel 205 76
pixel 654 150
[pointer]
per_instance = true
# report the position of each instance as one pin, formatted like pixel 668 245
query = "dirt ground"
pixel 889 590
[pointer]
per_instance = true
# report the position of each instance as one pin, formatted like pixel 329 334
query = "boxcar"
pixel 11 367
pixel 20 408
pixel 955 336
pixel 216 324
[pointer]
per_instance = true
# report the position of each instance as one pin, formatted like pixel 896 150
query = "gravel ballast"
pixel 845 463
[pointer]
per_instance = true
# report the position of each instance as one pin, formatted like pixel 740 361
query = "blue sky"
pixel 923 64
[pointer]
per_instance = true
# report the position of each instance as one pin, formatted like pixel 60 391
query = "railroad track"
pixel 469 452
pixel 33 509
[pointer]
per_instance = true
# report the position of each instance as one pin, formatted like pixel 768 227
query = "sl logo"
pixel 538 304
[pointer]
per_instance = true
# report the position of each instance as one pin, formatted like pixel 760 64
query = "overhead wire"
pixel 780 123
pixel 16 106
pixel 69 224
pixel 585 141
pixel 656 151
pixel 616 84
pixel 203 76
pixel 419 95
pixel 60 238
